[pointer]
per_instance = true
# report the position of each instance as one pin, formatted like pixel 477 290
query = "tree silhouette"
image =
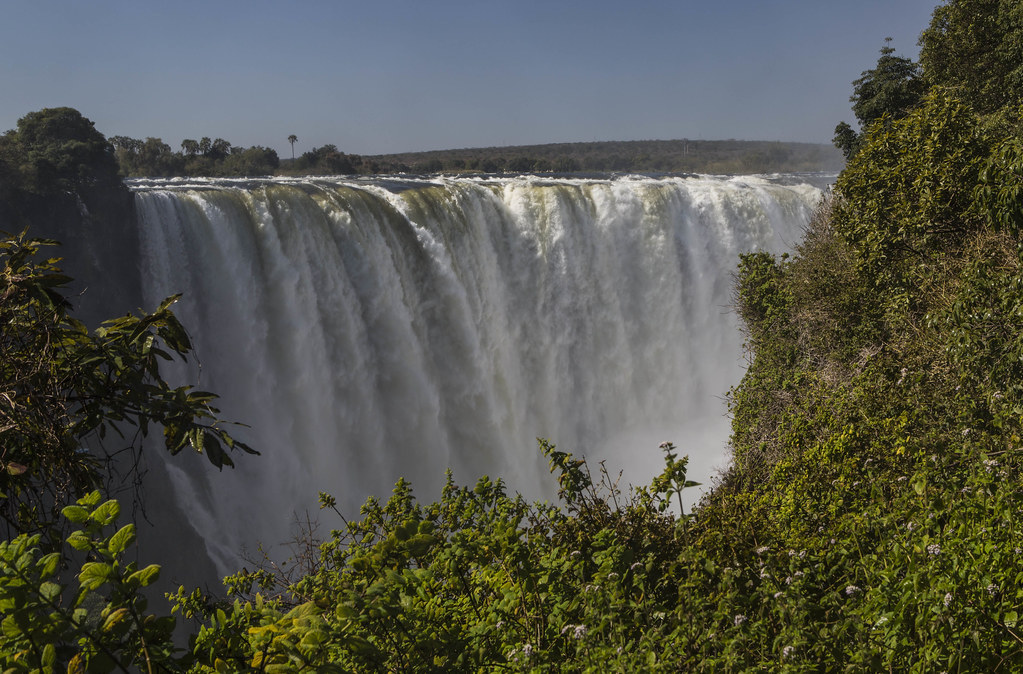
pixel 291 139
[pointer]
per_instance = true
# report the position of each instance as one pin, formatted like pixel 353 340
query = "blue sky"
pixel 391 76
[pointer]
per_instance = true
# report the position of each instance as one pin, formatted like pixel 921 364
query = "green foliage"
pixel 63 390
pixel 908 194
pixel 889 91
pixel 58 150
pixel 103 625
pixel 891 88
pixel 976 46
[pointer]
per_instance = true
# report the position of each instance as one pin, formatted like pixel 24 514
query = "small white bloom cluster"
pixel 667 444
pixel 850 590
pixel 527 653
pixel 762 549
pixel 578 631
pixel 948 599
pixel 933 549
pixel 636 565
pixel 787 651
pixel 739 619
pixel 992 589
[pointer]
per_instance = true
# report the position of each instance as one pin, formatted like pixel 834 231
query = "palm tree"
pixel 291 139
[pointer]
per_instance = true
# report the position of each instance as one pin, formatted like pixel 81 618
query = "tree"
pixel 292 139
pixel 71 401
pixel 846 139
pixel 892 88
pixel 190 147
pixel 976 46
pixel 58 151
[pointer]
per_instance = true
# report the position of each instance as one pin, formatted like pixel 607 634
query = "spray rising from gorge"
pixel 367 330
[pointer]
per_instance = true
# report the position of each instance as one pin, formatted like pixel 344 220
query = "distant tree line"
pixel 667 156
pixel 217 157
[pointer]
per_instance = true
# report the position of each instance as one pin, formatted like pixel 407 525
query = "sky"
pixel 383 76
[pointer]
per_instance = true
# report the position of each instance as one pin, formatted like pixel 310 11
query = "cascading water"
pixel 367 330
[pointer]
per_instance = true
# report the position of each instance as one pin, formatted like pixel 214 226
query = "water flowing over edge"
pixel 371 329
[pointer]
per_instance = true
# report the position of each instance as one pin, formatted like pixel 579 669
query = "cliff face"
pixel 60 180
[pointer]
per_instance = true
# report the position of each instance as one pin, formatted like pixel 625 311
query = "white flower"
pixel 579 632
pixel 527 650
pixel 948 598
pixel 933 549
pixel 850 590
pixel 612 576
pixel 787 651
pixel 739 619
pixel 910 526
pixel 762 549
pixel 636 565
pixel 992 589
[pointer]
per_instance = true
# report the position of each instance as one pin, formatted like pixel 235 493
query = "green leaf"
pixel 106 513
pixel 75 513
pixel 49 656
pixel 122 539
pixel 144 577
pixel 79 540
pixel 94 574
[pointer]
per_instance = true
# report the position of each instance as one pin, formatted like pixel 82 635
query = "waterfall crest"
pixel 371 329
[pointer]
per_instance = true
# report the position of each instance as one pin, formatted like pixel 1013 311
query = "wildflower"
pixel 934 549
pixel 527 650
pixel 778 595
pixel 762 549
pixel 850 590
pixel 880 621
pixel 992 589
pixel 612 576
pixel 667 444
pixel 948 598
pixel 636 565
pixel 910 526
pixel 788 580
pixel 579 632
pixel 787 651
pixel 901 478
pixel 575 554
pixel 739 619
pixel 500 624
pixel 764 573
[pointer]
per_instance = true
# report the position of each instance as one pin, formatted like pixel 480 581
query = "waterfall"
pixel 372 329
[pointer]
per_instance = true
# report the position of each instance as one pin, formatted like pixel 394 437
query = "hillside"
pixel 667 156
